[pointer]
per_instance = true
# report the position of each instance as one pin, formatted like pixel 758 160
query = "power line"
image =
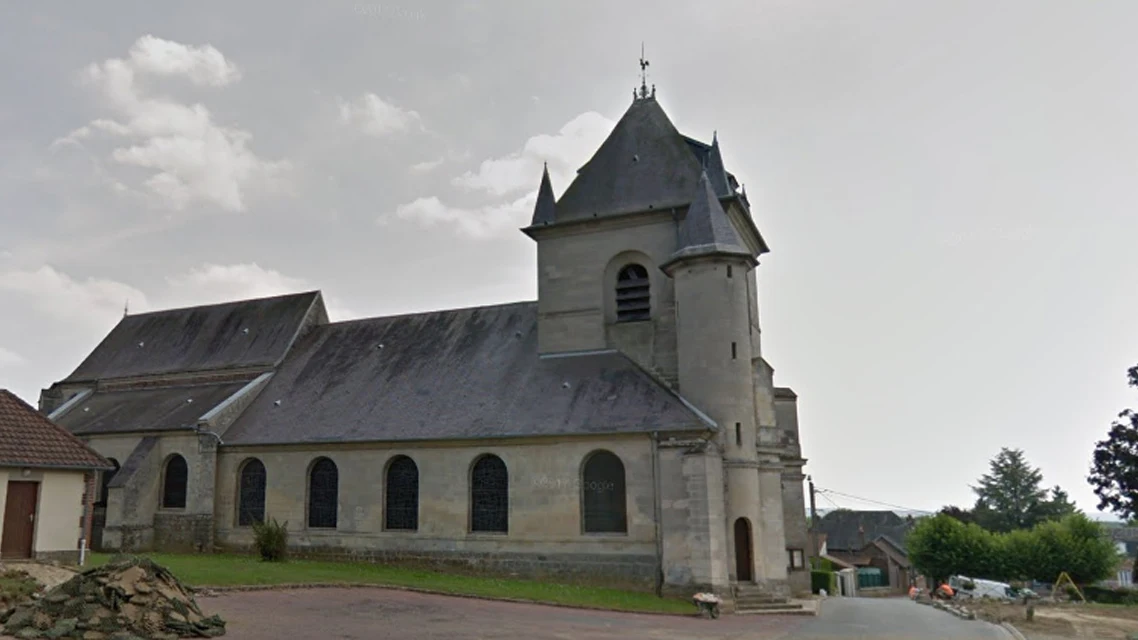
pixel 823 492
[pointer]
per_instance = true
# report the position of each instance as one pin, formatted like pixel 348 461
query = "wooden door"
pixel 744 561
pixel 19 520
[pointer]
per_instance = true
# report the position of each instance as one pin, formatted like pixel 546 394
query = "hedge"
pixel 1108 595
pixel 827 580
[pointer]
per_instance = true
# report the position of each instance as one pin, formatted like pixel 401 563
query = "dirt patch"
pixel 45 574
pixel 1063 620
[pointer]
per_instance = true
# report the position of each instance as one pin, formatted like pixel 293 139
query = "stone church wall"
pixel 545 535
pixel 576 290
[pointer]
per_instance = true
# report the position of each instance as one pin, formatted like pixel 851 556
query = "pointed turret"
pixel 715 169
pixel 545 211
pixel 706 230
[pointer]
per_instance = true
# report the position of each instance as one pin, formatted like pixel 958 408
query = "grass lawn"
pixel 240 570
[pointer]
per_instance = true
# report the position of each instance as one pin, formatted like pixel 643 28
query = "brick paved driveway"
pixel 380 613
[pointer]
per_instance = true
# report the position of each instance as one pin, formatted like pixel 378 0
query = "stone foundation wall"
pixel 180 532
pixel 62 557
pixel 629 571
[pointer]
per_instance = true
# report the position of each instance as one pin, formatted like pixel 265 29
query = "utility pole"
pixel 813 521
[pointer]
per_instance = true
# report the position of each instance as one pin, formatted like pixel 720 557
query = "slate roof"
pixel 466 373
pixel 150 409
pixel 706 229
pixel 28 439
pixel 210 337
pixel 843 529
pixel 644 163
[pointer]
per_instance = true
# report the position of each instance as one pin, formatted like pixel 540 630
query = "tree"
pixel 1059 506
pixel 963 515
pixel 1009 497
pixel 1114 471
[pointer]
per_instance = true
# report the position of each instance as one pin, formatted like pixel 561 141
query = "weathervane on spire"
pixel 644 77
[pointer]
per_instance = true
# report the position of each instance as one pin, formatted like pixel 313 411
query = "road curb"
pixel 1010 628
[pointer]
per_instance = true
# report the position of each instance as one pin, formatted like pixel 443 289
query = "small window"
pixel 323 494
pixel 603 494
pixel 489 496
pixel 251 493
pixel 734 351
pixel 797 559
pixel 738 434
pixel 401 507
pixel 174 483
pixel 633 294
pixel 728 271
pixel 104 484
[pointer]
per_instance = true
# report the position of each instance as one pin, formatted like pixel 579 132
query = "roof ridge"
pixel 412 314
pixel 215 305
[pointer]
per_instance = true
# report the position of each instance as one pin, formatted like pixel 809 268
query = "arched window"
pixel 251 493
pixel 633 295
pixel 174 482
pixel 323 494
pixel 401 508
pixel 603 495
pixel 489 495
pixel 105 482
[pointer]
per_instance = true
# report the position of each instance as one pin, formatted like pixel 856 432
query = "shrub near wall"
pixel 1107 595
pixel 827 580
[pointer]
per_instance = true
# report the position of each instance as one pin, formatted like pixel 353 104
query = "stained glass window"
pixel 633 299
pixel 401 510
pixel 174 483
pixel 489 495
pixel 323 494
pixel 603 494
pixel 251 496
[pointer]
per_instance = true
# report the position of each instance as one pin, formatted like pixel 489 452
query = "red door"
pixel 19 520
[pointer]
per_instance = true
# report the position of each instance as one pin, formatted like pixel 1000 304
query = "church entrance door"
pixel 19 520
pixel 744 561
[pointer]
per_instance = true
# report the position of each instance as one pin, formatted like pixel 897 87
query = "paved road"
pixel 891 618
pixel 351 614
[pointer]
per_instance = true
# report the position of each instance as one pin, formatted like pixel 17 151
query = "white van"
pixel 981 588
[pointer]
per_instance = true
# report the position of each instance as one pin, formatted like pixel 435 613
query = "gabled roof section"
pixel 149 409
pixel 545 210
pixel 706 229
pixel 29 439
pixel 644 163
pixel 248 333
pixel 851 531
pixel 457 374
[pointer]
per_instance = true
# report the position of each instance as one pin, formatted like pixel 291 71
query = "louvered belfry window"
pixel 633 294
pixel 489 496
pixel 603 494
pixel 323 494
pixel 174 483
pixel 401 508
pixel 251 498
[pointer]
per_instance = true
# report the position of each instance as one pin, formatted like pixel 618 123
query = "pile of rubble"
pixel 126 599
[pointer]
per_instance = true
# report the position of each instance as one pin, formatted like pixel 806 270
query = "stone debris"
pixel 129 598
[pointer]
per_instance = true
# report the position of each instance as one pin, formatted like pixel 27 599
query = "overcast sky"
pixel 948 189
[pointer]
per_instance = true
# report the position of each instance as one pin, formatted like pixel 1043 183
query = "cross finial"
pixel 644 75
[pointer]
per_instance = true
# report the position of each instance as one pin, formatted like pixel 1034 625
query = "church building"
pixel 623 429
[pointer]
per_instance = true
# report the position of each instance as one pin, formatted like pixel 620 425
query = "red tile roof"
pixel 28 439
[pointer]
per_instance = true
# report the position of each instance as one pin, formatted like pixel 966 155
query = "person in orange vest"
pixel 914 592
pixel 945 591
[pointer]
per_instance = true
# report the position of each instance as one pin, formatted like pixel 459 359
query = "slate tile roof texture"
pixel 706 229
pixel 151 409
pixel 465 373
pixel 209 337
pixel 844 529
pixel 29 439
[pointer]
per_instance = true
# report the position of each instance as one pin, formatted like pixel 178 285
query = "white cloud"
pixel 189 157
pixel 93 301
pixel 10 358
pixel 214 283
pixel 478 222
pixel 507 177
pixel 423 167
pixel 377 117
pixel 565 151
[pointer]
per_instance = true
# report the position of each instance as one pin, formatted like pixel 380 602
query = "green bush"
pixel 822 564
pixel 1107 595
pixel 271 540
pixel 827 580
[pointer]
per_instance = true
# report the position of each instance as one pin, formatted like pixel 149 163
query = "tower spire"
pixel 644 76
